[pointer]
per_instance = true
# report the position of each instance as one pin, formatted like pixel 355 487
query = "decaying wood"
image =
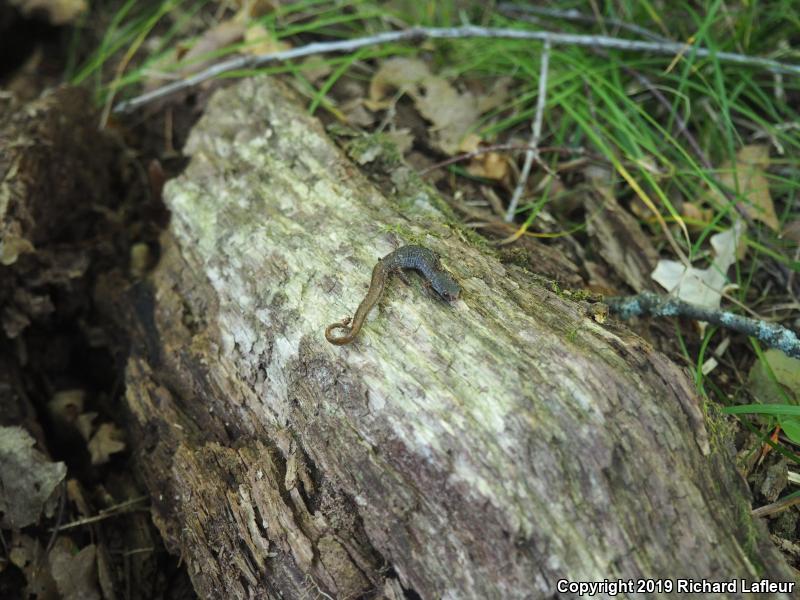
pixel 55 189
pixel 486 449
pixel 65 214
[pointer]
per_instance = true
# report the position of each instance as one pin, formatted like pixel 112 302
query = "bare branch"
pixel 467 31
pixel 647 303
pixel 574 15
pixel 536 134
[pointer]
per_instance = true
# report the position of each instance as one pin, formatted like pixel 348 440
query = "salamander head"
pixel 446 286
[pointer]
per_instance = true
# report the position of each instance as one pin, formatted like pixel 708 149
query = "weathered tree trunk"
pixel 486 449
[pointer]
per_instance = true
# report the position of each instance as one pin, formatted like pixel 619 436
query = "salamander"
pixel 406 257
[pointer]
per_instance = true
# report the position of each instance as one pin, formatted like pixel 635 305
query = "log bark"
pixel 486 449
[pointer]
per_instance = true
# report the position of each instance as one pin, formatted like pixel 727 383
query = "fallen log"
pixel 488 448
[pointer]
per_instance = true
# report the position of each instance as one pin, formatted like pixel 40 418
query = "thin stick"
pixel 103 514
pixel 574 15
pixel 536 134
pixel 62 500
pixel 775 507
pixel 505 148
pixel 467 31
pixel 647 303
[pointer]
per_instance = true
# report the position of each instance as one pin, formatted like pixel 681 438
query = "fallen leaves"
pixel 12 242
pixel 791 232
pixel 203 52
pixel 702 286
pixel 402 74
pixel 67 414
pixel 75 572
pixel 66 574
pixel 58 12
pixel 106 441
pixel 747 177
pixel 220 39
pixel 260 41
pixel 25 553
pixel 489 165
pixel 27 478
pixel 451 113
pixel 775 379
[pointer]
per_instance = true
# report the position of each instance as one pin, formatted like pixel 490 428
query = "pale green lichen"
pixel 376 149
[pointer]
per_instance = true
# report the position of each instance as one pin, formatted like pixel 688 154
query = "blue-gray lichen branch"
pixel 647 303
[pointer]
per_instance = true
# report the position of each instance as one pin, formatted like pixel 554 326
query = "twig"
pixel 574 15
pixel 106 513
pixel 536 134
pixel 505 148
pixel 647 303
pixel 776 507
pixel 62 500
pixel 467 31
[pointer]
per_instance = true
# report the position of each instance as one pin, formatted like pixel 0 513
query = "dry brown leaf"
pixel 403 139
pixel 791 231
pixel 260 41
pixel 751 163
pixel 202 54
pixel 357 115
pixel 696 217
pixel 450 112
pixel 256 8
pixel 75 573
pixel 491 165
pixel 12 243
pixel 315 70
pixel 28 479
pixel 397 73
pixel 105 442
pixel 470 143
pixel 85 424
pixel 497 96
pixel 25 553
pixel 703 286
pixel 58 12
pixel 220 36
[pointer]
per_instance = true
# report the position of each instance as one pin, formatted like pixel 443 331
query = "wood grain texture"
pixel 481 450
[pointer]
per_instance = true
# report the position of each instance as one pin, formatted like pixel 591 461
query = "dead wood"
pixel 482 450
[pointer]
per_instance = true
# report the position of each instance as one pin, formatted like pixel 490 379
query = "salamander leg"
pixel 427 287
pixel 402 276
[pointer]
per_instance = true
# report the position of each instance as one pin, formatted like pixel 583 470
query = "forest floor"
pixel 656 150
